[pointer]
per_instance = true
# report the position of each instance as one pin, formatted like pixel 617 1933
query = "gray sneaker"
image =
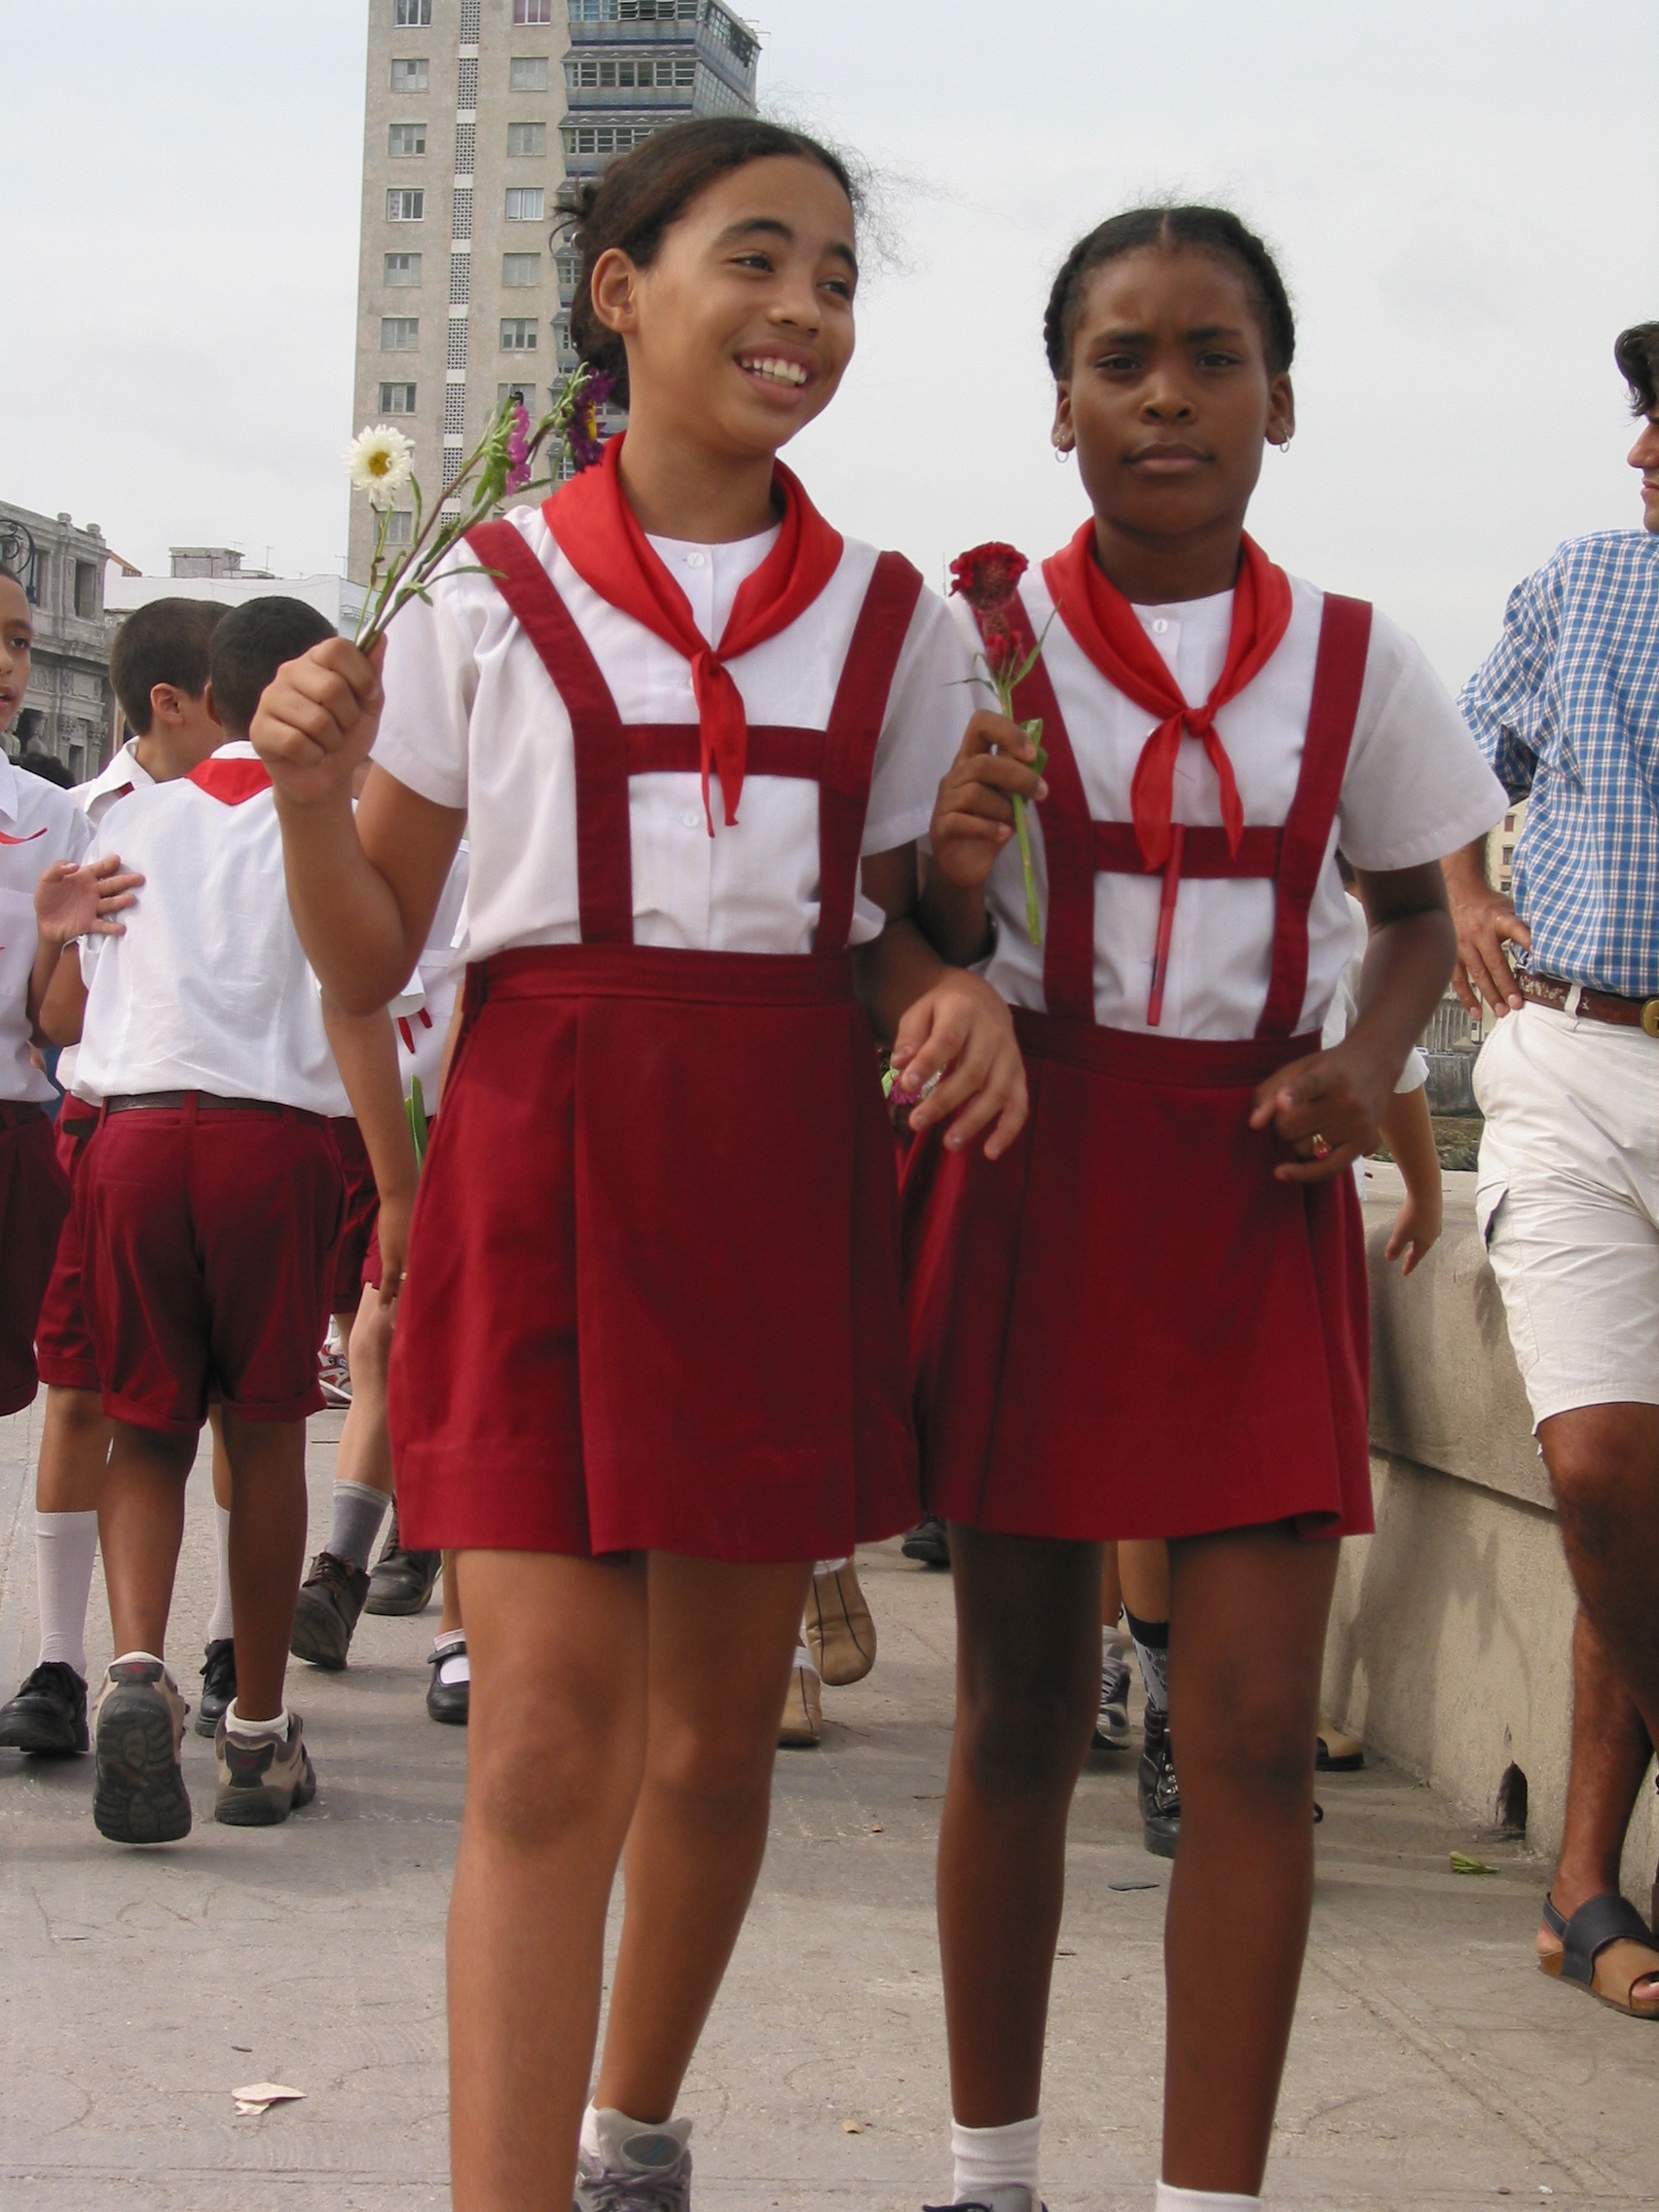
pixel 138 1793
pixel 261 1783
pixel 1112 1721
pixel 636 2169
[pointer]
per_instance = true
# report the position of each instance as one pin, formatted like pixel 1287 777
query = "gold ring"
pixel 1321 1146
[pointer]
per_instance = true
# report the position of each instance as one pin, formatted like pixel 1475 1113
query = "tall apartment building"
pixel 477 111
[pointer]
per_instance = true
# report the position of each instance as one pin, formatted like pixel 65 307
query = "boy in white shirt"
pixel 208 1205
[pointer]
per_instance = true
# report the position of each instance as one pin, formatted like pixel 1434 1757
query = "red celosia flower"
pixel 986 575
pixel 1001 653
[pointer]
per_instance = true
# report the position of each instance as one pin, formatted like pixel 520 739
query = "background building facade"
pixel 476 112
pixel 66 708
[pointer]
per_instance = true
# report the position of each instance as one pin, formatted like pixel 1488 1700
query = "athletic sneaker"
pixel 449 1693
pixel 929 1542
pixel 327 1609
pixel 1015 2198
pixel 138 1793
pixel 804 1708
pixel 49 1713
pixel 334 1379
pixel 840 1633
pixel 1158 1790
pixel 400 1582
pixel 634 2169
pixel 1111 1721
pixel 260 1783
pixel 218 1684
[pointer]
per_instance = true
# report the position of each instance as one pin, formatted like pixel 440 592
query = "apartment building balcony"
pixel 725 45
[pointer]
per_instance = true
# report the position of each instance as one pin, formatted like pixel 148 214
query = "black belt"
pixel 205 1101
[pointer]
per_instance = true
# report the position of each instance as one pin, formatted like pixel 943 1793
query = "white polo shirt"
pixel 1415 787
pixel 424 1011
pixel 124 773
pixel 473 721
pixel 209 989
pixel 39 825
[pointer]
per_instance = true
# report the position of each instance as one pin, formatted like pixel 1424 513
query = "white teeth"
pixel 780 372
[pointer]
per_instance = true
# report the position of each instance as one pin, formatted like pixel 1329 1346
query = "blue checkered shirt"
pixel 1565 707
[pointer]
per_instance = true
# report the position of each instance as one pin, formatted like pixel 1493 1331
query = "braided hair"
pixel 1207 229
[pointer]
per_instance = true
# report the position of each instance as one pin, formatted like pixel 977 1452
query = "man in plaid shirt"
pixel 1566 707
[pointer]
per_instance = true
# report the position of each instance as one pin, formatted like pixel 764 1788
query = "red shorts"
pixel 362 1206
pixel 34 1197
pixel 209 1237
pixel 64 1343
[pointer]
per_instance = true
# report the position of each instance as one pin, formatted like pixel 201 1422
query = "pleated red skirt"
pixel 1126 1327
pixel 653 1299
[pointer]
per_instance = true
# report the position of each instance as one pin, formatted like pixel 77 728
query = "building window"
pixel 409 76
pixel 518 334
pixel 524 205
pixel 405 207
pixel 400 527
pixel 527 137
pixel 412 15
pixel 642 12
pixel 533 11
pixel 518 269
pixel 605 137
pixel 86 590
pixel 399 333
pixel 524 394
pixel 405 138
pixel 625 70
pixel 527 73
pixel 403 269
pixel 397 399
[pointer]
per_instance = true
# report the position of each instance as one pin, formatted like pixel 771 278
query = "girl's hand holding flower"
pixel 962 1032
pixel 973 815
pixel 317 720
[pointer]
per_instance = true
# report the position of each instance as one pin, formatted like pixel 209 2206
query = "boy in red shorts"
pixel 208 1205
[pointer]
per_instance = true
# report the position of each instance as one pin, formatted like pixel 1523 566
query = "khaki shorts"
pixel 1567 1199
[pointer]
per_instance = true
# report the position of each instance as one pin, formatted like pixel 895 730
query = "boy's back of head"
pixel 250 644
pixel 166 642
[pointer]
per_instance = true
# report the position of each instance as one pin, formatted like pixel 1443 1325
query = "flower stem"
pixel 1033 920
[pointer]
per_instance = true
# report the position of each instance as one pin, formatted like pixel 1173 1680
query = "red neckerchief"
pixel 599 534
pixel 231 781
pixel 1108 630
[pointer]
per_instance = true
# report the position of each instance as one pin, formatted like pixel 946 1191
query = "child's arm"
pixel 973 821
pixel 63 1011
pixel 365 1051
pixel 941 1021
pixel 1409 1134
pixel 70 901
pixel 364 886
pixel 1330 1105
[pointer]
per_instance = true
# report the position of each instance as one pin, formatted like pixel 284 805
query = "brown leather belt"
pixel 206 1102
pixel 15 1112
pixel 1591 1006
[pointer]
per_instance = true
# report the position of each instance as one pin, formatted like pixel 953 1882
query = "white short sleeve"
pixel 1417 786
pixel 927 712
pixel 431 679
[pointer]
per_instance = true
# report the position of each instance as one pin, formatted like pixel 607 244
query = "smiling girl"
pixel 1148 1318
pixel 649 1363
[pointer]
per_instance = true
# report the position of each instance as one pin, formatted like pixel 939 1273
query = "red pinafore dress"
pixel 1126 1327
pixel 653 1297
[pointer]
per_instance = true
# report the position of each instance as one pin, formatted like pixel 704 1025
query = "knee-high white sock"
pixel 221 1624
pixel 995 2157
pixel 1203 2200
pixel 65 1546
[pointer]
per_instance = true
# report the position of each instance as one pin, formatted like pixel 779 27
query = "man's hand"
pixel 962 1032
pixel 71 901
pixel 1484 921
pixel 317 720
pixel 1327 1107
pixel 973 815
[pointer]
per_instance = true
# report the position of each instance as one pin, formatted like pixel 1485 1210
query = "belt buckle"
pixel 1650 1016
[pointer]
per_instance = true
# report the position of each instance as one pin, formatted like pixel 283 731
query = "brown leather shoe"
pixel 328 1610
pixel 839 1632
pixel 803 1711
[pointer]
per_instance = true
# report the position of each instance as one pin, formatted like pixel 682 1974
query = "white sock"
pixel 254 1731
pixel 995 2157
pixel 830 1566
pixel 632 2145
pixel 1171 2199
pixel 453 1666
pixel 67 1544
pixel 803 1658
pixel 221 1625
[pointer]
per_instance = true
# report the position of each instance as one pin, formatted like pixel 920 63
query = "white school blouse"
pixel 1416 788
pixel 124 773
pixel 39 825
pixel 472 720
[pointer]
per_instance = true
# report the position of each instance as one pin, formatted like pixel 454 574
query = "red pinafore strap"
pixel 1076 848
pixel 608 752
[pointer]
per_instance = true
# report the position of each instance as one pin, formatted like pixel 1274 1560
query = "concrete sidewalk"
pixel 1432 2066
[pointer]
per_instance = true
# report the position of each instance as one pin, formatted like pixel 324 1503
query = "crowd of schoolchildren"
pixel 686 790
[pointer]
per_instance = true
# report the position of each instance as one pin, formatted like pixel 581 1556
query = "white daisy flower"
pixel 380 463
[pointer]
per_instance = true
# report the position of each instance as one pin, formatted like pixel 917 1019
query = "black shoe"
pixel 330 1600
pixel 402 1581
pixel 218 1684
pixel 928 1541
pixel 49 1713
pixel 1158 1790
pixel 448 1701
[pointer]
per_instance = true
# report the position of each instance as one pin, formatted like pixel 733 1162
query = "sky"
pixel 1459 192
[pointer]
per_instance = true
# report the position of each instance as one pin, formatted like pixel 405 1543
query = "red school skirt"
pixel 1124 1327
pixel 652 1300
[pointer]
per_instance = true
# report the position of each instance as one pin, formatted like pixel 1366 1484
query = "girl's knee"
pixel 539 1768
pixel 1023 1732
pixel 1255 1739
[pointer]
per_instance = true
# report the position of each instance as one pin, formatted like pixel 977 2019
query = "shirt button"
pixel 696 560
pixel 693 820
pixel 1160 626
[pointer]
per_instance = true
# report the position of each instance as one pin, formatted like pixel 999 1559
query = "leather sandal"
pixel 1605 1948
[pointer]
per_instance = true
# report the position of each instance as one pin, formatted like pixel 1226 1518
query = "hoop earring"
pixel 1062 454
pixel 1284 442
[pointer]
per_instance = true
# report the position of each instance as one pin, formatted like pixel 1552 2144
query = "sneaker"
pixel 1158 1790
pixel 334 1379
pixel 634 2169
pixel 840 1633
pixel 49 1713
pixel 326 1611
pixel 1111 1721
pixel 138 1793
pixel 260 1783
pixel 803 1709
pixel 401 1582
pixel 929 1542
pixel 449 1693
pixel 1014 2197
pixel 218 1684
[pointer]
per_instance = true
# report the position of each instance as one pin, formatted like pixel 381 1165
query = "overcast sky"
pixel 1461 192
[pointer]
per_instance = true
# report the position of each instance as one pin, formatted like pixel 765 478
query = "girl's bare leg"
pixel 1244 1709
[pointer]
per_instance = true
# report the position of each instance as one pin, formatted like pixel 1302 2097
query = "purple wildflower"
pixel 585 439
pixel 518 448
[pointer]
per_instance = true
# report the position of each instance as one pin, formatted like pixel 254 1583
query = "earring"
pixel 1284 442
pixel 1062 454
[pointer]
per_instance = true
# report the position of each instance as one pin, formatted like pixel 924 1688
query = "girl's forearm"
pixel 347 913
pixel 892 974
pixel 1409 1134
pixel 953 920
pixel 1408 966
pixel 365 1051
